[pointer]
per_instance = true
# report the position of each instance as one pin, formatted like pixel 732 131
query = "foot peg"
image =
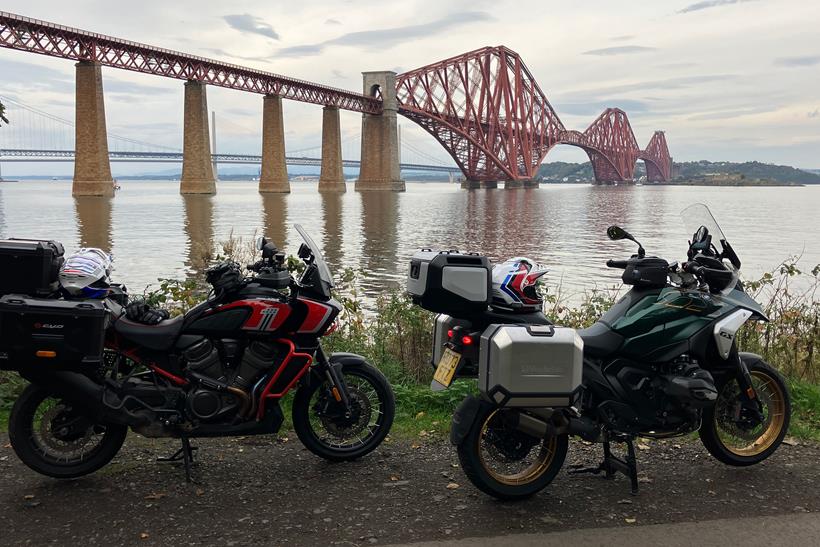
pixel 184 454
pixel 613 464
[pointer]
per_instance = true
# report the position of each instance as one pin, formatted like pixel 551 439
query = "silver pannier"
pixel 530 365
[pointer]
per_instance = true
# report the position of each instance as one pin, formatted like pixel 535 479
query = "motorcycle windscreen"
pixel 699 216
pixel 321 266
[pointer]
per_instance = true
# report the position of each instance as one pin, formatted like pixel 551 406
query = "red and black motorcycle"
pixel 221 369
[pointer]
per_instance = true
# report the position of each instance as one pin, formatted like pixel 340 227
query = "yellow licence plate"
pixel 447 366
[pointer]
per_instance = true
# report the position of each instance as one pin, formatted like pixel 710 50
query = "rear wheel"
pixel 734 431
pixel 506 463
pixel 53 438
pixel 330 430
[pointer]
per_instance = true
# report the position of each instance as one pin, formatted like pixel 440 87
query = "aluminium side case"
pixel 530 365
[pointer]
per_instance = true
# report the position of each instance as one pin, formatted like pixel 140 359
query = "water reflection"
pixel 333 240
pixel 199 229
pixel 275 213
pixel 93 216
pixel 380 216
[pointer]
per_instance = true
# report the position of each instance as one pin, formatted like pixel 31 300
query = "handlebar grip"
pixel 693 268
pixel 616 264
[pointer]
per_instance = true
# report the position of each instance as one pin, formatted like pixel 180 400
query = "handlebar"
pixel 616 264
pixel 694 268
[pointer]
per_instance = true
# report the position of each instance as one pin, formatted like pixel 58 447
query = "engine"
pixel 665 398
pixel 225 381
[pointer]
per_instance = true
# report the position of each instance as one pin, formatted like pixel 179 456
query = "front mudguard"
pixel 464 417
pixel 338 361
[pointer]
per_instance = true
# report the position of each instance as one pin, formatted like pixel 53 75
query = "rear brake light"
pixel 467 340
pixel 450 333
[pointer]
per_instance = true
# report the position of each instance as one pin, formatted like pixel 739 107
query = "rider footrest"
pixel 184 454
pixel 613 464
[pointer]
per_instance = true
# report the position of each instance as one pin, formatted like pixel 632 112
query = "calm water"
pixel 154 232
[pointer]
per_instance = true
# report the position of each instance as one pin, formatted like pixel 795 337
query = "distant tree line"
pixel 560 171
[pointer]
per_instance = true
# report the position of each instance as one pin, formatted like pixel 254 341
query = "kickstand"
pixel 613 464
pixel 186 454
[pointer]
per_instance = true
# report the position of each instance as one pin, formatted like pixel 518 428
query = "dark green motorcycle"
pixel 662 362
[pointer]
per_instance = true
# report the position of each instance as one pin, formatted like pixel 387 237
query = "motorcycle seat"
pixel 600 340
pixel 157 337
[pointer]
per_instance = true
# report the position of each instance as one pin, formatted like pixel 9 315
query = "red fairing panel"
pixel 266 315
pixel 317 316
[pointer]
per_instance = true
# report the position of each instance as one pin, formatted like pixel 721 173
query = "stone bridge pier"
pixel 92 170
pixel 380 168
pixel 198 175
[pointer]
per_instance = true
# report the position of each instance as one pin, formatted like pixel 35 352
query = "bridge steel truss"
pixel 26 34
pixel 489 113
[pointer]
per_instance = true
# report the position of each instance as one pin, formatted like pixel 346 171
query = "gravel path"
pixel 260 490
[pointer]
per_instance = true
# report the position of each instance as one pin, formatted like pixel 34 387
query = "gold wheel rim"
pixel 773 399
pixel 543 460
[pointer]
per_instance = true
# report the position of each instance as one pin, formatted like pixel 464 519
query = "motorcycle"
pixel 221 369
pixel 662 362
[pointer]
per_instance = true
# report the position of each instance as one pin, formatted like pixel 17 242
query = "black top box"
pixel 30 266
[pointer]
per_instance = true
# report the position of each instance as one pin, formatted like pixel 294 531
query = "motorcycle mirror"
pixel 616 232
pixel 260 243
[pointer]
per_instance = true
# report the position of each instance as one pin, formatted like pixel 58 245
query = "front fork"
pixel 749 398
pixel 334 375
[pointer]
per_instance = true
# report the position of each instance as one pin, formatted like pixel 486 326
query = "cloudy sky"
pixel 727 79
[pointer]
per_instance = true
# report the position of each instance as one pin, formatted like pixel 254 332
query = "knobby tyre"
pixel 57 440
pixel 327 430
pixel 506 463
pixel 730 436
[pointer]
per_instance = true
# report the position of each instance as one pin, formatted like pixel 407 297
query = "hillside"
pixel 690 171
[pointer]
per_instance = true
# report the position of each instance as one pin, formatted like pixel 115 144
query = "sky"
pixel 728 80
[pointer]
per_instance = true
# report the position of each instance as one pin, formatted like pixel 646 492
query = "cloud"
pixel 680 82
pixel 733 113
pixel 815 114
pixel 222 53
pixel 332 21
pixel 338 74
pixel 593 108
pixel 623 38
pixel 808 60
pixel 707 4
pixel 249 23
pixel 388 37
pixel 619 50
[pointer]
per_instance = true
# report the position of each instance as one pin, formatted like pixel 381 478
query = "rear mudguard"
pixel 464 416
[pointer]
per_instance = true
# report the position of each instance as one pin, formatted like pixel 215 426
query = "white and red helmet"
pixel 515 285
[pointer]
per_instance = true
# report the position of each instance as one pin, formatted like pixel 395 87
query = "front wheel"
pixel 336 433
pixel 506 463
pixel 53 438
pixel 735 432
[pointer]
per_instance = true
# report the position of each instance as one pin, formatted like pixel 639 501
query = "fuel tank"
pixel 655 319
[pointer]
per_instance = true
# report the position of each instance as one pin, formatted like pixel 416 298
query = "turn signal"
pixel 48 354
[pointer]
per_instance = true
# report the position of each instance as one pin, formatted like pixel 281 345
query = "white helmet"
pixel 85 273
pixel 515 285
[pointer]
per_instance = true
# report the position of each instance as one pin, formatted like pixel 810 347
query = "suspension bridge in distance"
pixel 31 155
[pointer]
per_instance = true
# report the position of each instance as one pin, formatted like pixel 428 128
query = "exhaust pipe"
pixel 82 391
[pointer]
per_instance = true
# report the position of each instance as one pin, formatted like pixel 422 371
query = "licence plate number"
pixel 447 366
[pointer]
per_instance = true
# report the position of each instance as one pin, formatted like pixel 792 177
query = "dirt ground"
pixel 261 490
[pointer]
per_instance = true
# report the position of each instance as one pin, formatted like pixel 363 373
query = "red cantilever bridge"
pixel 484 107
